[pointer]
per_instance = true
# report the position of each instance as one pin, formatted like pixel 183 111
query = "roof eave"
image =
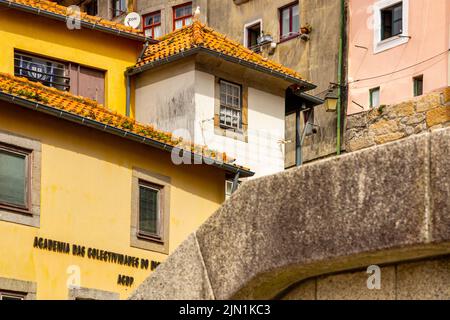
pixel 117 131
pixel 305 85
pixel 83 23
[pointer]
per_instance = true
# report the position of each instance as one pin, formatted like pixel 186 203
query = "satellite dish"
pixel 133 20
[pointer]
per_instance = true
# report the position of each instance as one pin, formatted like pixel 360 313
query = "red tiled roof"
pixel 199 35
pixel 60 100
pixel 45 6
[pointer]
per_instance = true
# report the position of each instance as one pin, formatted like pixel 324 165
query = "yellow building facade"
pixel 77 234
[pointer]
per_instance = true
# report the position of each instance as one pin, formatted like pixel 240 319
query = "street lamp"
pixel 331 101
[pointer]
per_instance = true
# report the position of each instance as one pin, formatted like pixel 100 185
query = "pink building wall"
pixel 426 53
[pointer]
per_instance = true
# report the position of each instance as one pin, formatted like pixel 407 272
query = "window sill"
pixel 146 237
pixel 293 36
pixel 18 210
pixel 230 129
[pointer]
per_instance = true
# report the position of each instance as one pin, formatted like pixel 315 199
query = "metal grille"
pixel 50 73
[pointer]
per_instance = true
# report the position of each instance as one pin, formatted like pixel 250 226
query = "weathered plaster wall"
pixel 165 98
pixel 394 122
pixel 180 99
pixel 419 280
pixel 262 152
pixel 315 59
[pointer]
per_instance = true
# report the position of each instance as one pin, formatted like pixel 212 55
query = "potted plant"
pixel 306 29
pixel 264 38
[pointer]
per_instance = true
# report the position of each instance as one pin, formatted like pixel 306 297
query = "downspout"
pixel 340 67
pixel 128 89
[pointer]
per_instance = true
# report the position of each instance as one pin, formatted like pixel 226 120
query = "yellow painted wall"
pixel 86 199
pixel 51 38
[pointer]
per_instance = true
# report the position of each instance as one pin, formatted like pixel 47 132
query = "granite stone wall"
pixel 304 232
pixel 394 122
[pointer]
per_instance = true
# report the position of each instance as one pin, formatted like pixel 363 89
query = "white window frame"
pixel 250 24
pixel 395 41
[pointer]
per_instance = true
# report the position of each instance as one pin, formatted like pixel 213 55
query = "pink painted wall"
pixel 429 28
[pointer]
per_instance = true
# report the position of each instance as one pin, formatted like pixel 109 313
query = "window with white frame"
pixel 390 24
pixel 230 105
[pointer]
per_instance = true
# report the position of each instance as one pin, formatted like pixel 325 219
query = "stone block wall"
pixel 420 280
pixel 394 122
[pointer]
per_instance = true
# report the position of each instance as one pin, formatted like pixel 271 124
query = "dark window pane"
pixel 418 86
pixel 13 178
pixel 391 21
pixel 148 210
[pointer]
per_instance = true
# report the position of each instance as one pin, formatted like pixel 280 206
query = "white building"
pixel 200 85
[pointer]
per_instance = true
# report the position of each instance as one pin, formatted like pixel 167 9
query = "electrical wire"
pixel 394 72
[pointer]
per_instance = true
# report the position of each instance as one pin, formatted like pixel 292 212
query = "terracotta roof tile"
pixel 53 7
pixel 199 35
pixel 60 100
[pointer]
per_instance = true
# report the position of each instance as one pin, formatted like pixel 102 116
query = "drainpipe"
pixel 340 67
pixel 128 89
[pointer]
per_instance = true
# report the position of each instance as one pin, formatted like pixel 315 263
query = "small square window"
pixel 392 21
pixel 14 178
pixel 374 97
pixel 149 210
pixel 418 86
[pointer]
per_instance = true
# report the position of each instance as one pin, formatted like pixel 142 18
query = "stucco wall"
pixel 316 59
pixel 424 54
pixel 263 152
pixel 165 97
pixel 86 180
